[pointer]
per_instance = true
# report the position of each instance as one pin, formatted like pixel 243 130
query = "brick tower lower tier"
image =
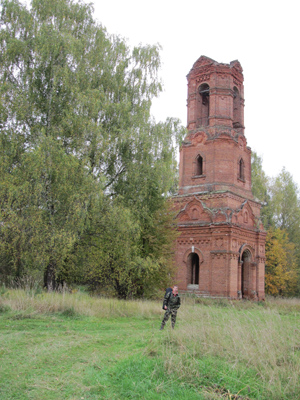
pixel 220 251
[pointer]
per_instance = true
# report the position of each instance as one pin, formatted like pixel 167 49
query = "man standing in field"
pixel 171 304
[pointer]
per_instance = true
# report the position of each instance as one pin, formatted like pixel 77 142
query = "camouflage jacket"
pixel 171 301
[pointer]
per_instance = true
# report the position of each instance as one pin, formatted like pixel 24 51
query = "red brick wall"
pixel 218 218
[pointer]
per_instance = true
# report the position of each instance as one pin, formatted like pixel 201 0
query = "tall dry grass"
pixel 79 303
pixel 264 339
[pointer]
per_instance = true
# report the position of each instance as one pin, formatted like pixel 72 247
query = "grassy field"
pixel 73 346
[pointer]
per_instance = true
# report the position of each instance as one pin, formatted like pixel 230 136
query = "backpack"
pixel 168 290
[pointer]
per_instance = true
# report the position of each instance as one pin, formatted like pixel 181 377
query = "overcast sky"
pixel 263 35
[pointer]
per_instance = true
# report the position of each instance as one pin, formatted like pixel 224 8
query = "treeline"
pixel 281 218
pixel 85 171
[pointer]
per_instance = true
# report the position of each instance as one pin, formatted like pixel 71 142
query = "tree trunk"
pixel 49 276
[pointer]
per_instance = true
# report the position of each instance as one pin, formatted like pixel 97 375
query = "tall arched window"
pixel 241 169
pixel 203 110
pixel 245 274
pixel 194 260
pixel 237 117
pixel 199 165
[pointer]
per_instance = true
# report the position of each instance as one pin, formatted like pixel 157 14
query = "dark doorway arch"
pixel 246 260
pixel 194 269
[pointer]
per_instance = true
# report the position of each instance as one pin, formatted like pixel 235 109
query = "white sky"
pixel 263 35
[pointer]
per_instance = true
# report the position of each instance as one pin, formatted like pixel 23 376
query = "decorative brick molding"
pixel 222 240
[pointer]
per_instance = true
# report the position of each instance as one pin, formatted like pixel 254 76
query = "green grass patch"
pixel 77 347
pixel 4 308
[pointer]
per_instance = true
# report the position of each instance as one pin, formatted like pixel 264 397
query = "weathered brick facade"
pixel 221 247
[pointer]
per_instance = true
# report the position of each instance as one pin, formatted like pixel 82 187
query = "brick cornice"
pixel 217 194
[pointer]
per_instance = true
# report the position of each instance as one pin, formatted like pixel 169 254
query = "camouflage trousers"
pixel 173 314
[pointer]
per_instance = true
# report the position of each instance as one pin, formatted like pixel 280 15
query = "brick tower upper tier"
pixel 214 155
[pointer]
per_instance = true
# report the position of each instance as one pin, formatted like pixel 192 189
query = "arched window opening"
pixel 237 117
pixel 195 213
pixel 194 269
pixel 245 278
pixel 241 169
pixel 203 112
pixel 199 165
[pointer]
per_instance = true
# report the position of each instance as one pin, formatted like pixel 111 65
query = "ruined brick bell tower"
pixel 221 247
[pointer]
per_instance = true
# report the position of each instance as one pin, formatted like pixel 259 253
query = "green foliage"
pixel 286 211
pixel 107 249
pixel 85 171
pixel 3 308
pixel 281 274
pixel 261 189
pixel 44 209
pixel 111 252
pixel 259 178
pixel 281 217
pixel 286 204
